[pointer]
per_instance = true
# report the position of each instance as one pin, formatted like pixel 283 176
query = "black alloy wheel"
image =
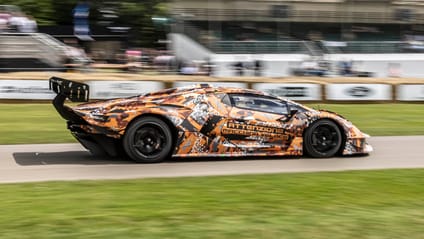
pixel 322 139
pixel 148 140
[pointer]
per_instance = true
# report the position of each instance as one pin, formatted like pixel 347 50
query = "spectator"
pixel 133 55
pixel 239 67
pixel 209 67
pixel 258 67
pixel 189 69
pixel 346 68
pixel 29 25
pixel 4 20
pixel 309 65
pixel 164 62
pixel 17 22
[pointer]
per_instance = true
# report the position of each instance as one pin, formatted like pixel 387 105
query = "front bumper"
pixel 357 146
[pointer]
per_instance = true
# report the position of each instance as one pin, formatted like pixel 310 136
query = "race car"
pixel 203 120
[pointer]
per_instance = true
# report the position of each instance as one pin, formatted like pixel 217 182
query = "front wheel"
pixel 148 140
pixel 322 139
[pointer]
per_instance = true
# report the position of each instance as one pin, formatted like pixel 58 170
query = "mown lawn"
pixel 356 204
pixel 382 119
pixel 31 124
pixel 40 123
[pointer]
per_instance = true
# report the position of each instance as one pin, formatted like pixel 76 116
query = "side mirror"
pixel 288 116
pixel 293 112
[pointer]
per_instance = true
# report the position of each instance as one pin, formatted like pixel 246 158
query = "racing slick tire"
pixel 148 140
pixel 322 139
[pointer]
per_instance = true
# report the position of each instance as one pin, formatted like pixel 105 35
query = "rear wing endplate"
pixel 74 91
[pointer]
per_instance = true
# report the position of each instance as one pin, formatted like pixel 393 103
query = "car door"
pixel 257 123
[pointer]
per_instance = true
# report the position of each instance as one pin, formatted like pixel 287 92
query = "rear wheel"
pixel 148 140
pixel 322 139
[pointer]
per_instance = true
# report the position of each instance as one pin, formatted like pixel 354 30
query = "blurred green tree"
pixel 135 14
pixel 41 10
pixel 138 15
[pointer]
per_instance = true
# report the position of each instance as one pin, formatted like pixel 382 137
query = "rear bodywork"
pixel 203 119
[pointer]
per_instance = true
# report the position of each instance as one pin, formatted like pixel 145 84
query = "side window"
pixel 258 103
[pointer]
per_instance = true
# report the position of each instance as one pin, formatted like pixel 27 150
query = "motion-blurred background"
pixel 379 38
pixel 362 59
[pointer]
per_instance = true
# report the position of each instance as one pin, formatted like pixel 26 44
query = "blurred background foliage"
pixel 135 14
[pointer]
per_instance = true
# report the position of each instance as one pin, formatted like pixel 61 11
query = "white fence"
pixel 39 90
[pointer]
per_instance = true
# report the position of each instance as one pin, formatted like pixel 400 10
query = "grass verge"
pixel 356 204
pixel 40 123
pixel 382 119
pixel 32 124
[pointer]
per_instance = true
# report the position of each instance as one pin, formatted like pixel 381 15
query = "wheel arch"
pixel 338 124
pixel 165 119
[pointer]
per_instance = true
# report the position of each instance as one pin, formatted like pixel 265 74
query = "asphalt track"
pixel 51 162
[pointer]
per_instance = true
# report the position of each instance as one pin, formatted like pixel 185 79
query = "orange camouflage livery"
pixel 203 120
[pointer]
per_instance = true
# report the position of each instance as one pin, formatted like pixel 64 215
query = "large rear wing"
pixel 74 91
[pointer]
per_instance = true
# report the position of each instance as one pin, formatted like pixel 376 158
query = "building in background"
pixel 333 20
pixel 286 33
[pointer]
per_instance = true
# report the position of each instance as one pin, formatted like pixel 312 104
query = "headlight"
pixel 99 117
